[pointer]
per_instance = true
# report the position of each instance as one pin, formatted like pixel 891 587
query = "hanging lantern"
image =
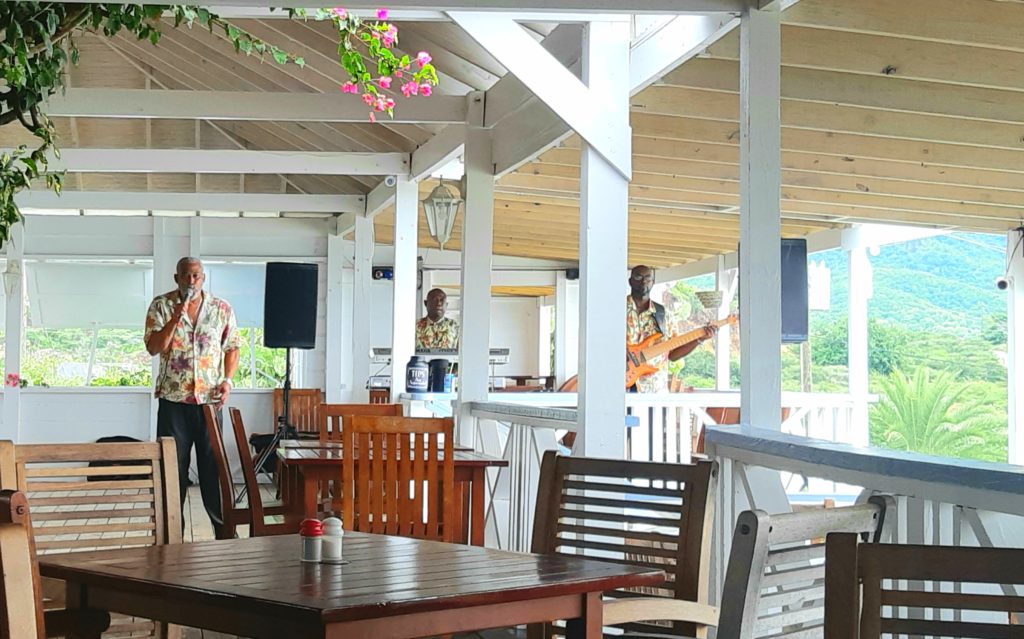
pixel 440 209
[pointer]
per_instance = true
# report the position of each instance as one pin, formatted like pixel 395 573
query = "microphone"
pixel 190 292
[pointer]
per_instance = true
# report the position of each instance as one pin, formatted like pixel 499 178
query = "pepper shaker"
pixel 332 544
pixel 311 532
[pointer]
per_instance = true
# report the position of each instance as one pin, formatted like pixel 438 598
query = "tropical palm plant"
pixel 931 412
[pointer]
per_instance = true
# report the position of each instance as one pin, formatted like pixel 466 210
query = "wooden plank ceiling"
pixel 906 112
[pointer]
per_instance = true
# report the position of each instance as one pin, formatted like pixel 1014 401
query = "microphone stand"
pixel 284 430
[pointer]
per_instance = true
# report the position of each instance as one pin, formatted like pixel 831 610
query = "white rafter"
pixel 230 161
pixel 547 78
pixel 246 105
pixel 155 200
pixel 523 6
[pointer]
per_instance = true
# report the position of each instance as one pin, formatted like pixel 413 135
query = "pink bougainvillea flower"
pixel 398 73
pixel 425 90
pixel 373 118
pixel 423 58
pixel 384 82
pixel 379 104
pixel 368 99
pixel 388 37
pixel 349 87
pixel 382 14
pixel 389 103
pixel 340 12
pixel 410 88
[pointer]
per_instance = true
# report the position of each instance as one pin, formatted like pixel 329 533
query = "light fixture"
pixel 440 208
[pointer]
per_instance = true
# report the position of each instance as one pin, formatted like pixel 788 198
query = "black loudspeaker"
pixel 794 291
pixel 289 305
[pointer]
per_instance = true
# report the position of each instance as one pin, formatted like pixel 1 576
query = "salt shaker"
pixel 311 532
pixel 332 540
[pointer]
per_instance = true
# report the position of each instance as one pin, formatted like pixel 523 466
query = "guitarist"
pixel 645 317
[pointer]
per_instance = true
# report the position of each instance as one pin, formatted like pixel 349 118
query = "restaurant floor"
pixel 198 528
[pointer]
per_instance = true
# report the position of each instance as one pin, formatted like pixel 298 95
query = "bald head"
pixel 641 280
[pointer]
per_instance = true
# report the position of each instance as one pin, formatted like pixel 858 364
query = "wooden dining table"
pixel 392 587
pixel 306 466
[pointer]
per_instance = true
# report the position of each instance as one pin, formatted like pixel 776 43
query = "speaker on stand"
pixel 289 321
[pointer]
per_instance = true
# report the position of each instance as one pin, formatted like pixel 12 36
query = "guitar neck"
pixel 681 340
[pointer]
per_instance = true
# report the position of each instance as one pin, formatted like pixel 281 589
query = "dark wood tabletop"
pixel 317 456
pixel 258 587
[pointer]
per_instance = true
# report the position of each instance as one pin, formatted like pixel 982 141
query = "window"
pixel 84 323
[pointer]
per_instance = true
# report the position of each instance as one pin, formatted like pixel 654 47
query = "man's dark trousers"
pixel 186 424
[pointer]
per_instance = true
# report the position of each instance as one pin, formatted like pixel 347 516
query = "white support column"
pixel 477 247
pixel 725 282
pixel 760 226
pixel 14 288
pixel 1014 344
pixel 172 240
pixel 567 328
pixel 403 330
pixel 860 285
pixel 604 205
pixel 334 347
pixel 362 307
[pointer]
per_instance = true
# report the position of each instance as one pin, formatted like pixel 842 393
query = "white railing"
pixel 521 435
pixel 940 501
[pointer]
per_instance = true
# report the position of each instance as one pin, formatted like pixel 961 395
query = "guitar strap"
pixel 659 317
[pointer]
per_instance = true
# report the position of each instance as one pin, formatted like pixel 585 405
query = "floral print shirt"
pixel 193 367
pixel 640 326
pixel 443 333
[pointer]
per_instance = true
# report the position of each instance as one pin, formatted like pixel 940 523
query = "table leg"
pixel 476 510
pixel 77 598
pixel 589 625
pixel 310 490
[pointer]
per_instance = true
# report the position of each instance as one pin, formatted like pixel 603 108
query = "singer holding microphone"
pixel 196 337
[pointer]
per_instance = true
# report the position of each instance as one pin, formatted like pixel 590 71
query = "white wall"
pixel 75 415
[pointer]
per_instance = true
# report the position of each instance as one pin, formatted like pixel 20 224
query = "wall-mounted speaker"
pixel 289 305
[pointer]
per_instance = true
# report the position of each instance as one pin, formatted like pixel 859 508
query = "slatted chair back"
pixel 21 610
pixel 649 514
pixel 258 511
pixel 775 580
pixel 332 416
pixel 303 408
pixel 98 496
pixel 874 590
pixel 232 516
pixel 399 477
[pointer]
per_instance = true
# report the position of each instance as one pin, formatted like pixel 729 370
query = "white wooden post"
pixel 334 346
pixel 172 240
pixel 403 331
pixel 760 226
pixel 567 328
pixel 477 247
pixel 725 282
pixel 860 283
pixel 1014 343
pixel 604 194
pixel 361 308
pixel 14 288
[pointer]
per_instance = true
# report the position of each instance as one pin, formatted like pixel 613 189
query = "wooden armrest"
pixel 658 609
pixel 83 622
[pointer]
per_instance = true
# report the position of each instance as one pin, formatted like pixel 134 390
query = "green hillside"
pixel 941 284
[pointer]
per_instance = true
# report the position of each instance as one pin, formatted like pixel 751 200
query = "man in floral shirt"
pixel 196 338
pixel 645 317
pixel 435 330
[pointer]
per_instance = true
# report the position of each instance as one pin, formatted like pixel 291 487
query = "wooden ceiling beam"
pixel 891 56
pixel 851 89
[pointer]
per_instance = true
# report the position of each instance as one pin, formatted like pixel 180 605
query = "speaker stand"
pixel 284 429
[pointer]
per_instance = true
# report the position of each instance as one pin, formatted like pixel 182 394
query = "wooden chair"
pixel 641 513
pixel 21 599
pixel 775 581
pixel 303 409
pixel 331 416
pixel 890 589
pixel 99 496
pixel 380 395
pixel 255 514
pixel 399 477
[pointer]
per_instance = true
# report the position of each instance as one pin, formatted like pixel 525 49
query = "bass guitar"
pixel 638 355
